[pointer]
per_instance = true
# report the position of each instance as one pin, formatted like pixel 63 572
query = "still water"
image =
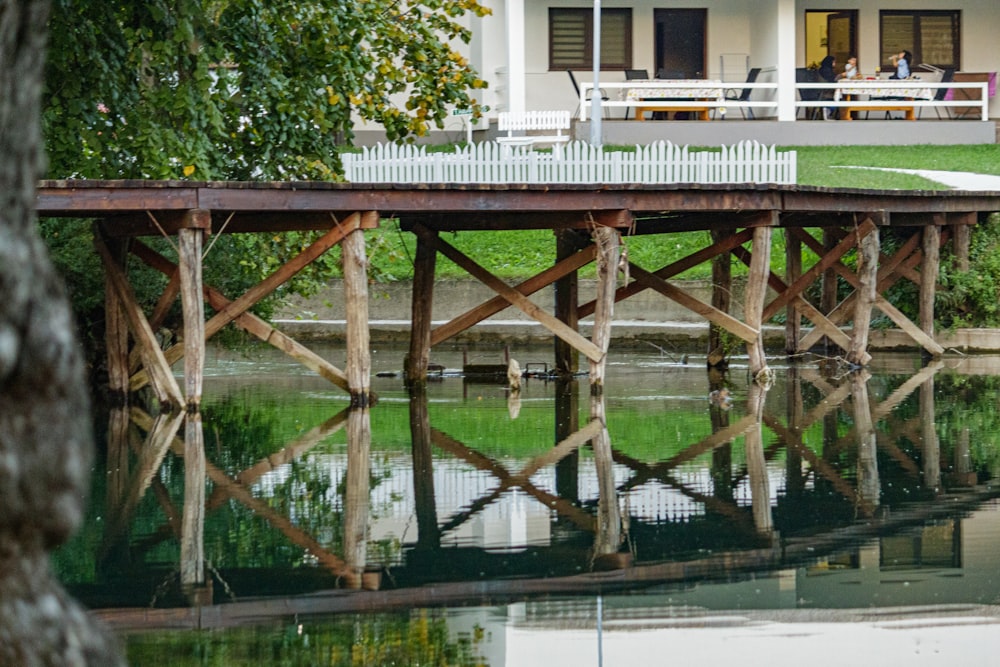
pixel 836 518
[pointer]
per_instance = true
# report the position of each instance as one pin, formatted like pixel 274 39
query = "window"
pixel 933 37
pixel 571 38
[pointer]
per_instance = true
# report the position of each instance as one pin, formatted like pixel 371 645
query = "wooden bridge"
pixel 588 222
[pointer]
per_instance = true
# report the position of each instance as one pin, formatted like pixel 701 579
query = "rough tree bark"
pixel 45 431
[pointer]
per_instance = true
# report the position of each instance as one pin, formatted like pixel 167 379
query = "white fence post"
pixel 579 162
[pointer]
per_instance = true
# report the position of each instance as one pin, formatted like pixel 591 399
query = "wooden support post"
pixel 867 282
pixel 760 263
pixel 567 359
pixel 828 297
pixel 356 496
pixel 929 276
pixel 355 263
pixel 193 307
pixel 962 224
pixel 418 359
pixel 116 332
pixel 608 255
pixel 722 294
pixel 795 476
pixel 168 393
pixel 793 269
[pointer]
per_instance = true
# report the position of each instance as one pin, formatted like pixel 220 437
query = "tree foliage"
pixel 245 89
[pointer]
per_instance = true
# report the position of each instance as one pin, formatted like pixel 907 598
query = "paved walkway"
pixel 957 180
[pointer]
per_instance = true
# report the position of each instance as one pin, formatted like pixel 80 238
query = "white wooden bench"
pixel 534 121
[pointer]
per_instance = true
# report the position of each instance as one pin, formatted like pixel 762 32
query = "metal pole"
pixel 595 93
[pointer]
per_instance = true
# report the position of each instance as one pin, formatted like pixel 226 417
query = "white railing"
pixel 489 162
pixel 904 86
pixel 617 92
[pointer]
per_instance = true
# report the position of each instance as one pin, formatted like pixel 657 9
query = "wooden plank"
pixel 163 382
pixel 887 277
pixel 475 315
pixel 248 322
pixel 713 315
pixel 726 244
pixel 284 273
pixel 828 259
pixel 517 299
pixel 820 322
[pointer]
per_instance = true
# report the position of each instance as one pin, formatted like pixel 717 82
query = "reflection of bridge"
pixel 852 467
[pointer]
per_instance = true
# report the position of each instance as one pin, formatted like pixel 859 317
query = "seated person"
pixel 828 74
pixel 850 69
pixel 901 61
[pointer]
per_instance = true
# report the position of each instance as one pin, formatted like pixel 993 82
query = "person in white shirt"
pixel 850 69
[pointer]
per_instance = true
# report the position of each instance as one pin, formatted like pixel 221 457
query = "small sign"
pixel 468 112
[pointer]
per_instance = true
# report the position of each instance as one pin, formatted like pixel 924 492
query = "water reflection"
pixel 823 491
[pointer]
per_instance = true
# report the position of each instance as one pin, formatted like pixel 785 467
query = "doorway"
pixel 680 43
pixel 831 33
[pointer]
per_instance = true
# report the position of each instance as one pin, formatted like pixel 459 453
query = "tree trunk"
pixel 45 441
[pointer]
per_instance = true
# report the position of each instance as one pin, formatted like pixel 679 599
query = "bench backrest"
pixel 510 121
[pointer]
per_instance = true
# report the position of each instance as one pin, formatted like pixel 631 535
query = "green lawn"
pixel 513 255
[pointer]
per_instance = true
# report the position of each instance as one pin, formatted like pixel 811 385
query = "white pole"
pixel 595 93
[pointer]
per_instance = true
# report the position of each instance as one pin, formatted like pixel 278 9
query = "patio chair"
pixel 633 75
pixel 946 77
pixel 806 75
pixel 744 95
pixel 590 95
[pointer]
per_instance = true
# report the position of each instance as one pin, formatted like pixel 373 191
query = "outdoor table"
pixel 654 90
pixel 875 89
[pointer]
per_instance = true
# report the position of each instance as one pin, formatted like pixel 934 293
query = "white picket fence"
pixel 580 162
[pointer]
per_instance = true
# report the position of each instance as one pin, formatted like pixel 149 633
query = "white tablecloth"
pixel 876 89
pixel 695 89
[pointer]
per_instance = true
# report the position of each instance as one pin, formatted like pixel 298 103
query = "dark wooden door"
pixel 680 43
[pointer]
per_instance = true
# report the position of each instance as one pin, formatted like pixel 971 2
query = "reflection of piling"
pixel 356 496
pixel 930 447
pixel 760 491
pixel 428 534
pixel 868 484
pixel 567 423
pixel 609 523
